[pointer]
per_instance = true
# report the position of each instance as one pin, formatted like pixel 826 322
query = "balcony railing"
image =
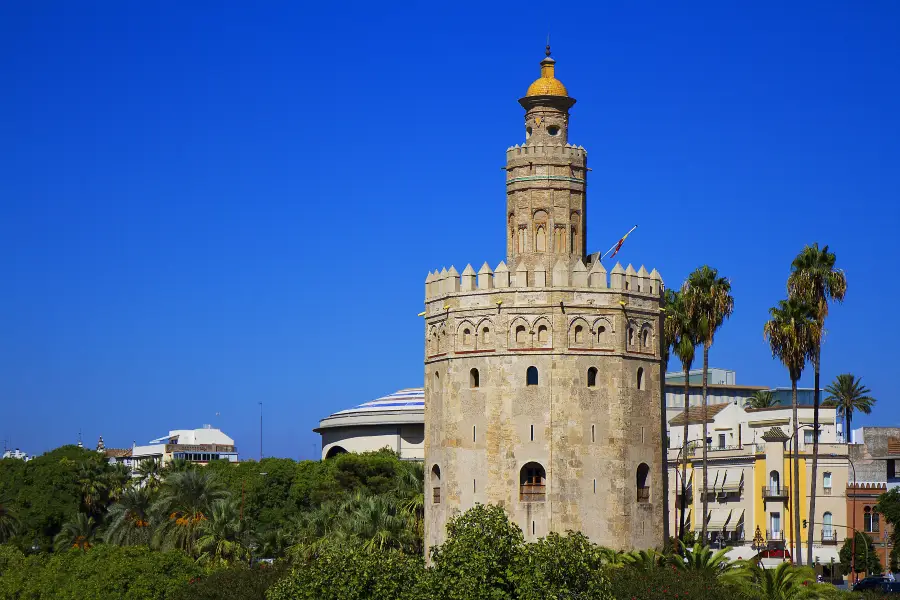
pixel 826 491
pixel 829 538
pixel 774 536
pixel 532 492
pixel 436 495
pixel 776 492
pixel 643 494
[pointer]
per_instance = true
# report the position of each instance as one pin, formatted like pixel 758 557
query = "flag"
pixel 619 245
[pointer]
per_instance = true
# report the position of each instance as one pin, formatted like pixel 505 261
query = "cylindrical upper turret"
pixel 546 180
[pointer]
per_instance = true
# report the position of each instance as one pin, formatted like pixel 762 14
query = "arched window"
pixel 474 381
pixel 532 483
pixel 867 519
pixel 643 486
pixel 485 335
pixel 775 482
pixel 543 333
pixel 467 336
pixel 592 377
pixel 827 532
pixel 436 484
pixel 540 239
pixel 630 336
pixel 521 335
pixel 645 338
pixel 579 334
pixel 601 335
pixel 531 376
pixel 522 236
pixel 334 451
pixel 640 378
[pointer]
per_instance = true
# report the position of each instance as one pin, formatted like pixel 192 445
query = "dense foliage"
pixel 867 560
pixel 889 506
pixel 349 527
pixel 102 572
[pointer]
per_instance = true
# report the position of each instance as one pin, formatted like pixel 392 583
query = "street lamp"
pixel 758 542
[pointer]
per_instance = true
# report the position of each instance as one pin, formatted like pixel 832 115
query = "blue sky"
pixel 208 205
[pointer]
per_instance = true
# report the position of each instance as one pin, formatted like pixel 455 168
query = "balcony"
pixel 780 492
pixel 829 538
pixel 826 491
pixel 532 492
pixel 774 536
pixel 643 494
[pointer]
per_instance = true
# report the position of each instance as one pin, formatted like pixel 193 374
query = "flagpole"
pixel 620 240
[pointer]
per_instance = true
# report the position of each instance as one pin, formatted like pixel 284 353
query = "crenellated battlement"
pixel 449 281
pixel 567 151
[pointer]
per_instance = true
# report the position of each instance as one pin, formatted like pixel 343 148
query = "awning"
pixel 735 520
pixel 732 480
pixel 715 521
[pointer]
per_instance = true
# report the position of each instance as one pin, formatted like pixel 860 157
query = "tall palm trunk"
pixel 684 452
pixel 815 464
pixel 796 471
pixel 705 445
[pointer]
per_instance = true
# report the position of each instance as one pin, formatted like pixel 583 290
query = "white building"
pixel 18 454
pixel 395 421
pixel 193 445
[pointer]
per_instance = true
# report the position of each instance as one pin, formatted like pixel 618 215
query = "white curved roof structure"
pixel 395 421
pixel 403 406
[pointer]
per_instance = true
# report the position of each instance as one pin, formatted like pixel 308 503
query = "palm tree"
pixel 149 474
pixel 680 332
pixel 177 465
pixel 184 503
pixel 129 519
pixel 849 395
pixel 93 486
pixel 701 559
pixel 77 533
pixel 222 535
pixel 814 280
pixel 410 493
pixel 762 399
pixel 116 480
pixel 785 582
pixel 793 334
pixel 9 521
pixel 709 302
pixel 377 523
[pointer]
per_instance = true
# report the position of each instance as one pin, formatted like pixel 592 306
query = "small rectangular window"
pixel 532 433
pixel 595 486
pixel 473 432
pixel 592 434
pixel 473 486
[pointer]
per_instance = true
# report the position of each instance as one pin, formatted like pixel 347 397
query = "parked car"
pixel 891 587
pixel 875 582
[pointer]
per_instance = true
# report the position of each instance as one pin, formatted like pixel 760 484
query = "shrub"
pixel 561 567
pixel 235 583
pixel 668 583
pixel 135 573
pixel 352 573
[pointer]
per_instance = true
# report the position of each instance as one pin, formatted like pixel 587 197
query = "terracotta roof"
pixel 694 414
pixel 117 452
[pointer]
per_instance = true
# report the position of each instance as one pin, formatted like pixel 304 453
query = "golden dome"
pixel 547 84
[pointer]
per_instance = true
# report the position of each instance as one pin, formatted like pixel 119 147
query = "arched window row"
pixel 530 334
pixel 477 335
pixel 594 333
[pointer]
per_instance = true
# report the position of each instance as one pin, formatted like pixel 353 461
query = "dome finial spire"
pixel 547 51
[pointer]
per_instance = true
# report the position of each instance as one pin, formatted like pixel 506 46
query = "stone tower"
pixel 545 182
pixel 543 375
